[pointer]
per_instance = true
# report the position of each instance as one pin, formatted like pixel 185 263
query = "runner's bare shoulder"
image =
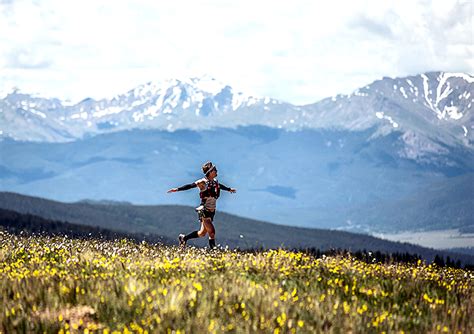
pixel 201 183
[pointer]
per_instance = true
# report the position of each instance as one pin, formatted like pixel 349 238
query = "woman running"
pixel 209 189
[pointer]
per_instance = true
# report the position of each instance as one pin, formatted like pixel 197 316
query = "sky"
pixel 296 51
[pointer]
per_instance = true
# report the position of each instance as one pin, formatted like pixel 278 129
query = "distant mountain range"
pixel 163 223
pixel 427 108
pixel 394 155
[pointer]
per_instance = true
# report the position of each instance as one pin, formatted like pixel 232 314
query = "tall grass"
pixel 56 284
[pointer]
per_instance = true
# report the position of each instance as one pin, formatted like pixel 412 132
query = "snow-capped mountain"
pixel 430 110
pixel 169 105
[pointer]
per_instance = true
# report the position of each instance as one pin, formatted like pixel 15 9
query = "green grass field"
pixel 63 285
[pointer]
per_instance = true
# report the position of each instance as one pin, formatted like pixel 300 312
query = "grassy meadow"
pixel 61 285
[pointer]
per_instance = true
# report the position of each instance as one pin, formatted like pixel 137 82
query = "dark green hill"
pixel 15 222
pixel 168 221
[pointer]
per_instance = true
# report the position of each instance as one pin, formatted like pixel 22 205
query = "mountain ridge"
pixel 430 107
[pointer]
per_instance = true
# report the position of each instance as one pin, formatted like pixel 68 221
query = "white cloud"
pixel 297 51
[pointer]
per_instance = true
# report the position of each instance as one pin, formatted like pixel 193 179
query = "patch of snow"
pixel 151 111
pixel 452 112
pixel 174 99
pixel 38 113
pixel 390 119
pixel 440 93
pixel 394 87
pixel 425 89
pixel 402 90
pixel 465 131
pixel 333 99
pixel 82 115
pixel 359 93
pixel 159 101
pixel 466 95
pixel 137 116
pixel 151 89
pixel 237 100
pixel 380 115
pixel 167 110
pixel 251 100
pixel 266 100
pixel 186 104
pixel 169 127
pixel 107 111
pixel 136 103
pixel 198 97
pixel 208 85
pixel 89 124
pixel 466 77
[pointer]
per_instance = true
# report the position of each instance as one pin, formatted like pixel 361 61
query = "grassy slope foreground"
pixel 59 284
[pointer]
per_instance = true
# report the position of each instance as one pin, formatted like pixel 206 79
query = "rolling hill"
pixel 166 222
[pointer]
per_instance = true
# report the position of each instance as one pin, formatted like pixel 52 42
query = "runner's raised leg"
pixel 207 222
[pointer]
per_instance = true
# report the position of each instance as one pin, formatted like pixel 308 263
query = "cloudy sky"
pixel 297 51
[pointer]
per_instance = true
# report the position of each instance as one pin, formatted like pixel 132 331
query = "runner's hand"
pixel 172 190
pixel 233 190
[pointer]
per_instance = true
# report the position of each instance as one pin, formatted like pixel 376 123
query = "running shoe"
pixel 182 242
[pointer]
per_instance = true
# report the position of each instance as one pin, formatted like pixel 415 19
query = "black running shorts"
pixel 208 214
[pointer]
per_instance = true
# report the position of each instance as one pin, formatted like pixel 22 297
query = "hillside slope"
pixel 232 231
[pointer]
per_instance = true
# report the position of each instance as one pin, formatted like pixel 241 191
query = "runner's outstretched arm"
pixel 223 187
pixel 185 187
